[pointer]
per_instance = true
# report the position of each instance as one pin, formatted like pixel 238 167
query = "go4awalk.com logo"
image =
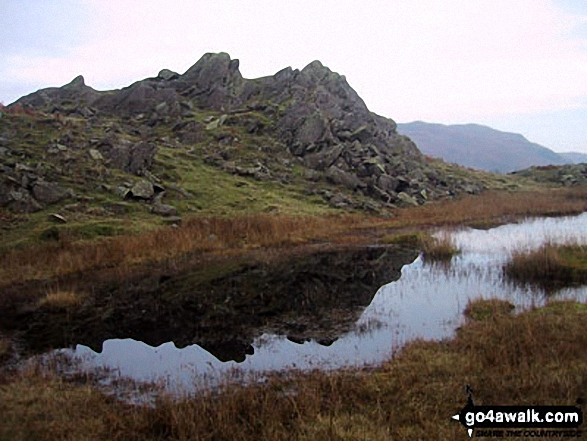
pixel 520 421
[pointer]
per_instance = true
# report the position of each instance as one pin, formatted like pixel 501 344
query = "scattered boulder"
pixel 54 217
pixel 407 199
pixel 340 177
pixel 163 209
pixel 143 189
pixel 48 192
pixel 122 154
pixel 172 220
pixel 96 155
pixel 387 183
pixel 21 201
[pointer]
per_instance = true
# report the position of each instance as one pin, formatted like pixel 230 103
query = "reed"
pixel 439 248
pixel 550 265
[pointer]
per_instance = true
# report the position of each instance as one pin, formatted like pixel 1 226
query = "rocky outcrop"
pixel 214 82
pixel 309 118
pixel 24 190
pixel 135 158
pixel 74 95
pixel 566 175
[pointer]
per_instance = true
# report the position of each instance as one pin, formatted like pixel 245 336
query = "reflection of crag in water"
pixel 318 296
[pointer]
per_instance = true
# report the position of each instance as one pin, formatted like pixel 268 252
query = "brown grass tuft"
pixel 440 248
pixel 60 300
pixel 550 265
pixel 487 309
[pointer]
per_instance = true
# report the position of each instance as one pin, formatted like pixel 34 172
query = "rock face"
pixel 24 190
pixel 309 120
pixel 76 91
pixel 124 155
pixel 566 175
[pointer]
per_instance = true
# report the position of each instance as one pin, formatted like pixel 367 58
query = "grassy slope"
pixel 213 191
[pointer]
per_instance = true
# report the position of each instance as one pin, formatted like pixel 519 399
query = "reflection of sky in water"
pixel 426 302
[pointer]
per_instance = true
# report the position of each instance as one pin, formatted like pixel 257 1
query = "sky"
pixel 514 65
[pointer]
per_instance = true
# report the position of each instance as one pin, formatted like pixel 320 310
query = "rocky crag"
pixel 305 132
pixel 569 175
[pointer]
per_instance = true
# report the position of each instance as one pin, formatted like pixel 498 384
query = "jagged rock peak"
pixel 77 82
pixel 167 75
pixel 316 71
pixel 214 66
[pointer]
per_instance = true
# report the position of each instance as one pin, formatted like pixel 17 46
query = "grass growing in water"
pixel 440 248
pixel 550 265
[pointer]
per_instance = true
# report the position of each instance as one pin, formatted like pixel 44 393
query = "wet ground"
pixel 328 309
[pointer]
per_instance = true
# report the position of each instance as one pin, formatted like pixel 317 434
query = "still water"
pixel 426 301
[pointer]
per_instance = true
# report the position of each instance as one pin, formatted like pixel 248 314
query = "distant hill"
pixel 575 157
pixel 479 147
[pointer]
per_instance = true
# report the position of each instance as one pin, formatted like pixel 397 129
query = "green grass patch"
pixel 480 310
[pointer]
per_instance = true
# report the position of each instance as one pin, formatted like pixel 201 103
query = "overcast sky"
pixel 515 65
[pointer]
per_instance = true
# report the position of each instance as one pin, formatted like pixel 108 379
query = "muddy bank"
pixel 221 307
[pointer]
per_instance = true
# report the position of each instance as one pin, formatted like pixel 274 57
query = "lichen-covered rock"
pixel 143 189
pixel 407 199
pixel 337 176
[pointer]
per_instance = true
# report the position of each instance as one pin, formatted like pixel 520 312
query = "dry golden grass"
pixel 222 235
pixel 60 300
pixel 496 206
pixel 536 358
pixel 197 235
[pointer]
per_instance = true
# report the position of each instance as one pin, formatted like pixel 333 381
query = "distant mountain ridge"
pixel 480 147
pixel 575 157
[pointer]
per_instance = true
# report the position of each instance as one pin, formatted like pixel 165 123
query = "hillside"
pixel 210 142
pixel 568 175
pixel 479 147
pixel 574 157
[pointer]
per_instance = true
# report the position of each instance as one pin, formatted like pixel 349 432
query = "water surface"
pixel 427 301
